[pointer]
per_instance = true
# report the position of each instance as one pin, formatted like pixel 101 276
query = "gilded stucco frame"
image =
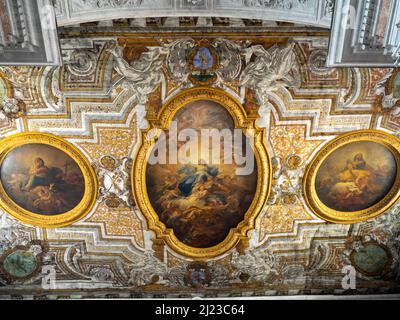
pixel 47 221
pixel 324 212
pixel 162 121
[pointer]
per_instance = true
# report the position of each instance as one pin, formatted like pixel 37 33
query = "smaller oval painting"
pixel 203 59
pixel 356 176
pixel 20 263
pixel 42 179
pixel 371 259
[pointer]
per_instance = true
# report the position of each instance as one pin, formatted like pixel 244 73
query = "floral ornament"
pixel 11 108
pixel 147 270
pixel 111 3
pixel 194 2
pixel 286 180
pixel 258 266
pixel 101 273
pixel 11 234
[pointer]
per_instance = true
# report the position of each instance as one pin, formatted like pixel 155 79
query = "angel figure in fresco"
pixel 49 199
pixel 193 175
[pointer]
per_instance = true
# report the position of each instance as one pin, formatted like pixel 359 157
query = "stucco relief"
pixel 270 71
pixel 280 4
pixel 300 11
pixel 107 3
pixel 112 250
pixel 144 75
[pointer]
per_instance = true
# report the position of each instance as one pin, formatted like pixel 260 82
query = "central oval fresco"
pixel 201 201
pixel 201 175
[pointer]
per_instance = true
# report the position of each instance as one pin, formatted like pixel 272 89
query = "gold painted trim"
pixel 390 82
pixel 60 220
pixel 162 122
pixel 324 212
pixel 7 83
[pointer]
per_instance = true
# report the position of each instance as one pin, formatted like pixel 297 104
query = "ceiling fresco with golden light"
pixel 114 87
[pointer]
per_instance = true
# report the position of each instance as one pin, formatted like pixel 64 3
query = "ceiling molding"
pixel 364 33
pixel 28 33
pixel 311 12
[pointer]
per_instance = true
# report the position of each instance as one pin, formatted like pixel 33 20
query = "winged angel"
pixel 270 70
pixel 141 76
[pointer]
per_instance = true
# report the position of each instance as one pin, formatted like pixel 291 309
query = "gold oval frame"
pixel 162 122
pixel 341 217
pixel 45 221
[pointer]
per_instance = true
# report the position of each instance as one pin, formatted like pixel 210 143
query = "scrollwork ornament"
pixel 111 3
pixel 147 270
pixel 11 108
pixel 258 265
pixel 114 180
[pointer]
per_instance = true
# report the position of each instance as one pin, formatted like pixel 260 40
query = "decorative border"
pixel 60 220
pixel 162 122
pixel 8 86
pixel 341 217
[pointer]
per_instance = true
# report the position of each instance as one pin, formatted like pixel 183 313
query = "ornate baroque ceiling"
pixel 112 85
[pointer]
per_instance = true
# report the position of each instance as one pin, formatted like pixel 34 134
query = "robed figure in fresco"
pixel 201 201
pixel 42 188
pixel 356 185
